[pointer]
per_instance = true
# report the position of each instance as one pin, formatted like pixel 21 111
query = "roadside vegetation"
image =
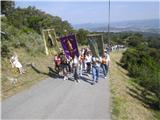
pixel 21 33
pixel 135 79
pixel 125 104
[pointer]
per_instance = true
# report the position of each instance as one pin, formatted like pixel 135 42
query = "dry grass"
pixel 25 80
pixel 124 106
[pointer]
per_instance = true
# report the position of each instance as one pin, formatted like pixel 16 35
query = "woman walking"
pixel 105 61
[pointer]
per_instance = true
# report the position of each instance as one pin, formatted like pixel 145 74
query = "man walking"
pixel 95 69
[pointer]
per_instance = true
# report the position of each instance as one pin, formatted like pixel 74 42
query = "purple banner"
pixel 69 44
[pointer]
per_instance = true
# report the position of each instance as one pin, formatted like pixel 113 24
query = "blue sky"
pixel 96 12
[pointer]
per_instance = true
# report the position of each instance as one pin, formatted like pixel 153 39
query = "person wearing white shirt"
pixel 15 63
pixel 88 60
pixel 81 61
pixel 105 62
pixel 75 68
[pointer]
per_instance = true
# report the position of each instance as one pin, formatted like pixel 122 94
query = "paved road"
pixel 58 99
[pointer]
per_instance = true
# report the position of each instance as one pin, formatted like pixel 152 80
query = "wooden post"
pixel 45 44
pixel 47 31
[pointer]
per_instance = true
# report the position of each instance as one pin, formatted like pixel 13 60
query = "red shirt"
pixel 57 60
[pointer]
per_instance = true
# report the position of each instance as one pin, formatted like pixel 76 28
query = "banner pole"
pixel 46 49
pixel 77 44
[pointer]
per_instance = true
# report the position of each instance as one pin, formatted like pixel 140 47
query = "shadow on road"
pixel 82 78
pixel 51 72
pixel 86 80
pixel 54 74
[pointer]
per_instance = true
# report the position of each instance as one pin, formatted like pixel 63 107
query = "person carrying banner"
pixel 64 66
pixel 57 61
pixel 84 63
pixel 81 62
pixel 95 69
pixel 69 64
pixel 88 60
pixel 75 68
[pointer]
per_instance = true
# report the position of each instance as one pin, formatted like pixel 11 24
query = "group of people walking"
pixel 86 62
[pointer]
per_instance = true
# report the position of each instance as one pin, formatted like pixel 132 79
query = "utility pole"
pixel 109 23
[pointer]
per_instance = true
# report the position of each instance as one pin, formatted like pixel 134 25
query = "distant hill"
pixel 152 26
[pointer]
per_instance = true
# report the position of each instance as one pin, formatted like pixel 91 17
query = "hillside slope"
pixel 127 103
pixel 31 76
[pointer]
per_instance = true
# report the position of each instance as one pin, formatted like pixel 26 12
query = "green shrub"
pixel 20 38
pixel 144 68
